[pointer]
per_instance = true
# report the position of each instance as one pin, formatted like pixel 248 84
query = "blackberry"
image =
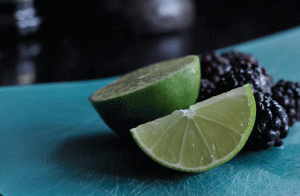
pixel 271 124
pixel 257 75
pixel 207 89
pixel 236 57
pixel 243 73
pixel 287 94
pixel 234 69
pixel 213 66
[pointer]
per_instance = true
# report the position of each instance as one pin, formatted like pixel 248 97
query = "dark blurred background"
pixel 53 41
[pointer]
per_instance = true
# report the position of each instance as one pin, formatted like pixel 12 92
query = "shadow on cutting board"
pixel 107 154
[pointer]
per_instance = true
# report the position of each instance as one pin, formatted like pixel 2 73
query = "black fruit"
pixel 271 124
pixel 234 69
pixel 243 73
pixel 213 66
pixel 237 57
pixel 287 94
pixel 207 89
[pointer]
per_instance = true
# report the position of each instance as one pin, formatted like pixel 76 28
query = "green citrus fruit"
pixel 148 93
pixel 202 137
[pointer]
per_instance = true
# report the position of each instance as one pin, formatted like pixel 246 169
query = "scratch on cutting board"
pixel 222 175
pixel 210 183
pixel 138 188
pixel 261 182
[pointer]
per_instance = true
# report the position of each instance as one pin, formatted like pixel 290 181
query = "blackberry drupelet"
pixel 207 90
pixel 271 124
pixel 213 66
pixel 287 94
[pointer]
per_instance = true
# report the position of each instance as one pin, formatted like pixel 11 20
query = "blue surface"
pixel 52 142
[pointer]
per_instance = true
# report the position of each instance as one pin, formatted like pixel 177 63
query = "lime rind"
pixel 215 163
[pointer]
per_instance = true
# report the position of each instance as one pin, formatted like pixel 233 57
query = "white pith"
pixel 188 113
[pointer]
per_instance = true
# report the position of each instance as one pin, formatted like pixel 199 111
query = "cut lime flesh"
pixel 148 93
pixel 202 137
pixel 144 77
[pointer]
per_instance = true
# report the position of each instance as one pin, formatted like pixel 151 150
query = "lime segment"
pixel 202 137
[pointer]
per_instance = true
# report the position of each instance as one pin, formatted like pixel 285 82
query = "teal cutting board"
pixel 52 142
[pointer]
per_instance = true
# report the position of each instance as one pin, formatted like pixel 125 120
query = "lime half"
pixel 202 137
pixel 148 93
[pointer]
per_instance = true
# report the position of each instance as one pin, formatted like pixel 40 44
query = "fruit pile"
pixel 156 106
pixel 278 105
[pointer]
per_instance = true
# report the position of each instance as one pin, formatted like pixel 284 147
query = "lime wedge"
pixel 148 93
pixel 202 137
